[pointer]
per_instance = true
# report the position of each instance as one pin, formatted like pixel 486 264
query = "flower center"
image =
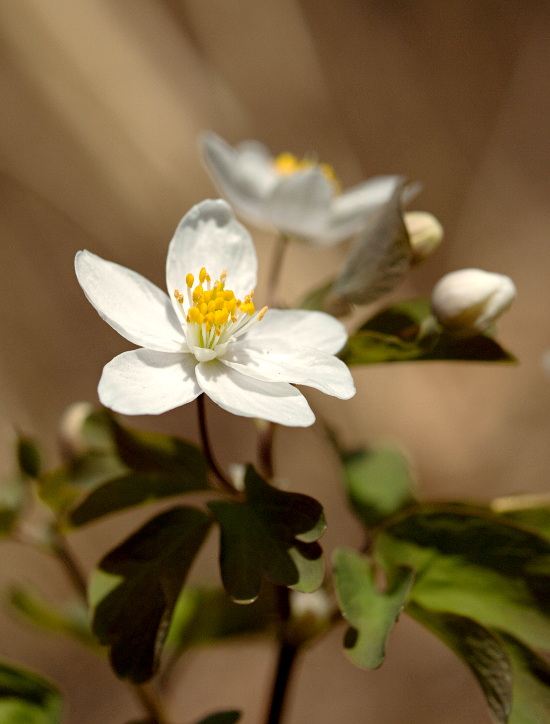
pixel 213 315
pixel 287 164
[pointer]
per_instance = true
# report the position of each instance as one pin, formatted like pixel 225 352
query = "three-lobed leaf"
pixel 370 612
pixel 272 534
pixel 136 587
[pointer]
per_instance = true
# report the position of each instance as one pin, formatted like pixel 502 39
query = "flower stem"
pixel 211 460
pixel 275 271
pixel 285 663
pixel 265 450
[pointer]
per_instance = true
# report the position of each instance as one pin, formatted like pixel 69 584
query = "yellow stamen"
pixel 189 279
pixel 287 164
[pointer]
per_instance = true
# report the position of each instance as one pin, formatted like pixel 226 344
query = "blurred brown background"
pixel 101 105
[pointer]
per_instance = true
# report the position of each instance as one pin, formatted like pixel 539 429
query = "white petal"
pixel 274 401
pixel 300 327
pixel 145 382
pixel 130 303
pixel 298 365
pixel 243 175
pixel 350 209
pixel 299 203
pixel 210 236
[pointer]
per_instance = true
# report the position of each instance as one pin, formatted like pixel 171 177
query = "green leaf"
pixel 26 698
pixel 473 563
pixel 136 587
pixel 371 612
pixel 378 481
pixel 71 620
pixel 13 495
pixel 270 535
pixel 131 489
pixel 531 693
pixel 407 331
pixel 480 649
pixel 531 510
pixel 222 717
pixel 204 616
pixel 28 457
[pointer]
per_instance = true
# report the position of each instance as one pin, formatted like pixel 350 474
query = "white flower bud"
pixel 468 301
pixel 425 234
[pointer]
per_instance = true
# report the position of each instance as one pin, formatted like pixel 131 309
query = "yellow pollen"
pixel 214 308
pixel 287 164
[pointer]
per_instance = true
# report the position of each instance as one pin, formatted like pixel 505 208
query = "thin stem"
pixel 285 663
pixel 150 704
pixel 265 450
pixel 211 460
pixel 275 271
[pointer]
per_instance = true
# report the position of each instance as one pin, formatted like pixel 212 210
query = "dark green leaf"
pixel 531 693
pixel 69 620
pixel 473 563
pixel 222 717
pixel 529 510
pixel 131 489
pixel 136 587
pixel 371 612
pixel 28 457
pixel 480 649
pixel 378 481
pixel 26 698
pixel 270 535
pixel 407 331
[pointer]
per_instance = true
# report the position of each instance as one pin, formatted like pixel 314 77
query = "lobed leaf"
pixel 26 698
pixel 473 563
pixel 371 612
pixel 378 482
pixel 136 587
pixel 272 534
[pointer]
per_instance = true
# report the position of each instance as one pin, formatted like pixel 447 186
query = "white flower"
pixel 208 337
pixel 299 198
pixel 468 301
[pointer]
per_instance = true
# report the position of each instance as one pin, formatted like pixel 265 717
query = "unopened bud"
pixel 310 615
pixel 425 234
pixel 468 301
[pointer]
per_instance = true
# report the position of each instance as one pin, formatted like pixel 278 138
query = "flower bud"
pixel 468 301
pixel 425 234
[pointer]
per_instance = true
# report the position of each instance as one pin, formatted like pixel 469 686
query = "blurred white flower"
pixel 208 338
pixel 468 301
pixel 425 234
pixel 299 198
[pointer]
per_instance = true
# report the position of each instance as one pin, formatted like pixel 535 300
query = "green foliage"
pixel 407 331
pixel 480 649
pixel 272 534
pixel 476 564
pixel 71 620
pixel 531 692
pixel 120 468
pixel 136 587
pixel 378 481
pixel 28 457
pixel 26 698
pixel 13 495
pixel 370 611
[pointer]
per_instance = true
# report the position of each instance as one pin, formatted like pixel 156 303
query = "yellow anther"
pixel 202 275
pixel 197 293
pixel 261 313
pixel 193 314
pixel 287 164
pixel 178 295
pixel 228 295
pixel 203 308
pixel 189 280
